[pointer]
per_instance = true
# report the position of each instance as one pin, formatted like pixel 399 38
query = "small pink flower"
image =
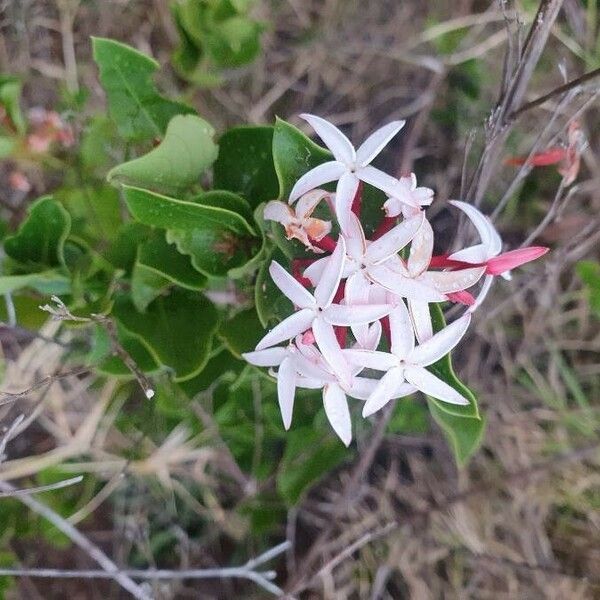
pixel 19 182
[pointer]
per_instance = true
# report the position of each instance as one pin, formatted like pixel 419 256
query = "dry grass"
pixel 522 521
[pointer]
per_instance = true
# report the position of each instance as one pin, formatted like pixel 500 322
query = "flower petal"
pixel 288 328
pixel 401 332
pixel 453 281
pixel 340 146
pixel 377 178
pixel 331 276
pixel 308 383
pixel 286 390
pixel 341 314
pixel 441 343
pixel 421 250
pixel 362 387
pixel 271 357
pixel 291 288
pixel 331 351
pixel 421 318
pixel 308 202
pixel 376 142
pixel 355 238
pixel 384 391
pixel 485 288
pixel 320 175
pixel 370 359
pixel 431 385
pixel 344 196
pixel 394 240
pixel 314 271
pixel 473 254
pixel 404 287
pixel 337 411
pixel 278 211
pixel 489 236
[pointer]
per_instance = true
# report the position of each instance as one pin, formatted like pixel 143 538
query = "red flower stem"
pixel 357 202
pixel 297 267
pixel 340 332
pixel 386 225
pixel 385 326
pixel 327 243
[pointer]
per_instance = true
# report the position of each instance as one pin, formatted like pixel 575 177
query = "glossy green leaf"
pixel 45 282
pixel 158 266
pixel 177 329
pixel 245 164
pixel 176 163
pixel 135 105
pixel 41 238
pixel 464 434
pixel 271 305
pixel 242 332
pixel 308 456
pixel 234 42
pixel 10 96
pixel 122 253
pixel 98 145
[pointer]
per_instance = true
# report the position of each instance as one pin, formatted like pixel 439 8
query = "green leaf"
pixel 158 266
pixel 234 42
pixel 177 163
pixel 7 145
pixel 122 253
pixel 10 95
pixel 589 272
pixel 177 329
pixel 294 154
pixel 443 369
pixel 135 105
pixel 98 145
pixel 46 282
pixel 271 305
pixel 242 332
pixel 245 164
pixel 464 434
pixel 308 456
pixel 41 238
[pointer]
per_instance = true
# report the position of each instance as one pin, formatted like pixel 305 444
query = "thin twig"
pixel 94 552
pixel 42 488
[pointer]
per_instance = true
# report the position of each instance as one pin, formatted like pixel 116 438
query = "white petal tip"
pixel 150 394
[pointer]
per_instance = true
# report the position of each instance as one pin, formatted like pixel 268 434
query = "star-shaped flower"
pixel 318 312
pixel 349 166
pixel 406 362
pixel 298 222
pixel 406 195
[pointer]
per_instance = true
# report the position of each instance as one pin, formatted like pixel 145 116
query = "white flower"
pixel 298 222
pixel 349 166
pixel 317 311
pixel 406 196
pixel 406 362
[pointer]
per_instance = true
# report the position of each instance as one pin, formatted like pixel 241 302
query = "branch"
pixel 42 488
pixel 111 570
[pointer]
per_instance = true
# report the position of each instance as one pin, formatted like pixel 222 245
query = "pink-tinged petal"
pixel 489 236
pixel 331 351
pixel 441 343
pixel 355 238
pixel 384 391
pixel 344 316
pixel 357 289
pixel 376 142
pixel 308 383
pixel 394 240
pixel 421 319
pixel 404 389
pixel 286 390
pixel 431 385
pixel 473 254
pixel 371 359
pixel 311 370
pixel 401 332
pixel 362 387
pixel 337 411
pixel 344 196
pixel 288 328
pixel 271 357
pixel 308 202
pixel 378 179
pixel 462 297
pixel 485 288
pixel 340 146
pixel 423 196
pixel 514 258
pixel 278 211
pixel 371 340
pixel 314 272
pixel 320 175
pixel 453 281
pixel 293 290
pixel 405 287
pixel 317 229
pixel 331 276
pixel 392 207
pixel 421 250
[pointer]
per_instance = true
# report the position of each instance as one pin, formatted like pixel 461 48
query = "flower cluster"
pixel 365 331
